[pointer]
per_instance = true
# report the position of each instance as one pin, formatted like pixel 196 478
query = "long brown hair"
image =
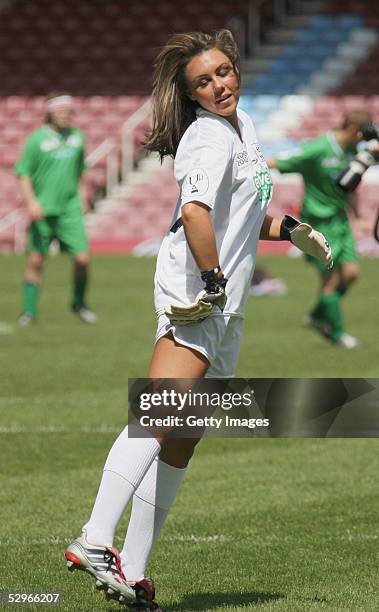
pixel 173 110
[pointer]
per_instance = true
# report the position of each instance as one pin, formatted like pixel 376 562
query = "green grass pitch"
pixel 269 524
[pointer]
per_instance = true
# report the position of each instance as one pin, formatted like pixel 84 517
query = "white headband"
pixel 59 102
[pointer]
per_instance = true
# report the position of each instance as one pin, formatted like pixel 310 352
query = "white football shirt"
pixel 230 176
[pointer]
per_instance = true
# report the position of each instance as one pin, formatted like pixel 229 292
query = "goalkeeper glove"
pixel 212 295
pixel 308 240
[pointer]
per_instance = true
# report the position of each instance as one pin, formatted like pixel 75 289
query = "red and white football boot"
pixel 102 562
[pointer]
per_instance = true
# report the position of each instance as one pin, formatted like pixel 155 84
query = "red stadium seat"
pixel 15 104
pixel 116 42
pixel 326 105
pixel 354 102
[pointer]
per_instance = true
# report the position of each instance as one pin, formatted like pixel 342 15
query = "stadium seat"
pixel 86 44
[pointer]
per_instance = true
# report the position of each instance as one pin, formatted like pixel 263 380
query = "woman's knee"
pixel 350 273
pixel 178 452
pixel 34 266
pixel 35 260
pixel 82 259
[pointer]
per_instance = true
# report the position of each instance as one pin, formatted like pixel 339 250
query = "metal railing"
pixel 18 220
pixel 127 137
pixel 279 10
pixel 108 150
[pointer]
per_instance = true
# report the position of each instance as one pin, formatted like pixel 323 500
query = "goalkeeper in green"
pixel 325 207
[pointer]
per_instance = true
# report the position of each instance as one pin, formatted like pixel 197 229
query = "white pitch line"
pixel 196 539
pixel 6 328
pixel 63 540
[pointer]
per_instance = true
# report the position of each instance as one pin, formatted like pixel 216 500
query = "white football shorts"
pixel 218 338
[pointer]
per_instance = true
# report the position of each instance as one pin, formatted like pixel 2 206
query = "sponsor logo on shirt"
pixel 330 162
pixel 242 159
pixel 263 185
pixel 74 141
pixel 49 145
pixel 63 149
pixel 195 183
pixel 63 153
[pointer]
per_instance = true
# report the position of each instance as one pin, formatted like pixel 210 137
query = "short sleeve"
pixel 296 160
pixel 201 162
pixel 27 163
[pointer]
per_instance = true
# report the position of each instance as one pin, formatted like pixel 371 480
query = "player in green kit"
pixel 325 207
pixel 50 170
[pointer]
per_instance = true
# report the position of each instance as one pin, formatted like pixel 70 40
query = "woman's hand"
pixel 34 210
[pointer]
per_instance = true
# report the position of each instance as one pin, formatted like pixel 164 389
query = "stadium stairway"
pixel 137 211
pixel 323 51
pixel 365 77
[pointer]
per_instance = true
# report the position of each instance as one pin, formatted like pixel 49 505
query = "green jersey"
pixel 320 162
pixel 54 161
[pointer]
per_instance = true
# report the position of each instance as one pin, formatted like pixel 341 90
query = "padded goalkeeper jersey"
pixel 320 162
pixel 214 167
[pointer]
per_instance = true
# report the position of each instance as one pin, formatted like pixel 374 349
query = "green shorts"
pixel 338 233
pixel 67 228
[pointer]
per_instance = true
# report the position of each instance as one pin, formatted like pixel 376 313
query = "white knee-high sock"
pixel 127 463
pixel 151 503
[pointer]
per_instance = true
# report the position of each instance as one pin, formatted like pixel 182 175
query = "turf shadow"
pixel 199 602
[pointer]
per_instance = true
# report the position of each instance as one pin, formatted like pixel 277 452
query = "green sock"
pixel 331 305
pixel 30 297
pixel 80 284
pixel 318 311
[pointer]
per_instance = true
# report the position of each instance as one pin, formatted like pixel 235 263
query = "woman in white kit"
pixel 202 282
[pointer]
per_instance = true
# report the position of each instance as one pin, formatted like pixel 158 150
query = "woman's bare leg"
pixel 156 493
